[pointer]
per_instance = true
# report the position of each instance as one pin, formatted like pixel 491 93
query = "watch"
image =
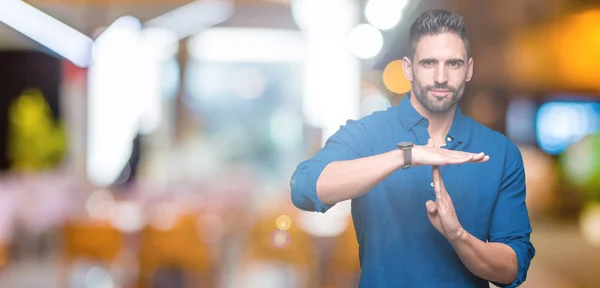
pixel 406 148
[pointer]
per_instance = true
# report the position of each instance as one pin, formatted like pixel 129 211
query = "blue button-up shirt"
pixel 399 247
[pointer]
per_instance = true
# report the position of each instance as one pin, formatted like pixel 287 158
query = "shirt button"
pixel 449 139
pixel 431 184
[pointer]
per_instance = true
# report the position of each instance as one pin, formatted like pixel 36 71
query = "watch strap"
pixel 406 148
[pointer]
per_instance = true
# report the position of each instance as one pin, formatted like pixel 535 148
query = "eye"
pixel 428 63
pixel 454 64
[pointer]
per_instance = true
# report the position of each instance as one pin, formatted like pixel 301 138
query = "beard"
pixel 435 104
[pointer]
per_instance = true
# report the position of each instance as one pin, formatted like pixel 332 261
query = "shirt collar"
pixel 409 117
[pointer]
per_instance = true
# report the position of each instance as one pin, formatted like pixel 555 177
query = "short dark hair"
pixel 436 21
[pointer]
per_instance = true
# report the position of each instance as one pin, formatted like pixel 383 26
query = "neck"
pixel 439 123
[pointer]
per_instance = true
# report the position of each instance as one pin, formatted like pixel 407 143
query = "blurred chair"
pixel 93 241
pixel 343 266
pixel 277 258
pixel 178 250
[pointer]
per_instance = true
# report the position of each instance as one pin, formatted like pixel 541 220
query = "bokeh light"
pixel 100 204
pixel 589 222
pixel 280 239
pixel 393 78
pixel 580 64
pixel 98 277
pixel 128 217
pixel 283 222
pixel 164 216
pixel 365 41
pixel 384 14
pixel 581 165
pixel 559 124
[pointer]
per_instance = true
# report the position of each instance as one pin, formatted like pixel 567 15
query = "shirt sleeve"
pixel 510 220
pixel 346 144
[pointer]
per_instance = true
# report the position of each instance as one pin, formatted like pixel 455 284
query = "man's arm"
pixel 505 260
pixel 510 223
pixel 346 144
pixel 343 180
pixel 339 171
pixel 495 262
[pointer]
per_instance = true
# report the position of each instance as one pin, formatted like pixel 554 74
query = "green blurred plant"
pixel 35 140
pixel 581 166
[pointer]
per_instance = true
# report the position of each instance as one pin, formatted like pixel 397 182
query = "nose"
pixel 441 74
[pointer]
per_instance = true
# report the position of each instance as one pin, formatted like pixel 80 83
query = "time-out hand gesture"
pixel 430 155
pixel 441 212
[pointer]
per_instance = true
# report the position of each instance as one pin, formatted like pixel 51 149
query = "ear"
pixel 407 69
pixel 470 70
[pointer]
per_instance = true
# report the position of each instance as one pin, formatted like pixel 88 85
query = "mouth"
pixel 440 93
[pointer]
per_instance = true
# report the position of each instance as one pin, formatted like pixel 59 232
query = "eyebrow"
pixel 456 60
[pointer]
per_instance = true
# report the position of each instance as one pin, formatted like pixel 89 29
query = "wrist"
pixel 415 155
pixel 460 236
pixel 398 155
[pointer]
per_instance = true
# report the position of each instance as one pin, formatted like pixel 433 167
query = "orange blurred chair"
pixel 97 241
pixel 3 255
pixel 283 251
pixel 180 247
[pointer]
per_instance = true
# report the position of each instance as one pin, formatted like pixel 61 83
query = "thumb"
pixel 431 207
pixel 429 143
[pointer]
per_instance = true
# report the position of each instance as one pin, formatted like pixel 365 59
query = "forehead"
pixel 440 46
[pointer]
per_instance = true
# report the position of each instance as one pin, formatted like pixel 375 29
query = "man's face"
pixel 439 70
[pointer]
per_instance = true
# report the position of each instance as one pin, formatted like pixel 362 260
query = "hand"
pixel 441 213
pixel 434 156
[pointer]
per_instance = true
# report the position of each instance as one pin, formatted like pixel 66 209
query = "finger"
pixel 431 207
pixel 485 159
pixel 440 182
pixel 478 157
pixel 429 143
pixel 436 181
pixel 435 170
pixel 462 153
pixel 441 194
pixel 468 157
pixel 459 160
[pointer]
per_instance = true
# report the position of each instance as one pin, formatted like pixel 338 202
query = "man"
pixel 413 229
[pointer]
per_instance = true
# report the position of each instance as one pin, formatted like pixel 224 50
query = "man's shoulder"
pixel 378 118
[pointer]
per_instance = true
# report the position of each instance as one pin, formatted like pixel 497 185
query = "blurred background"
pixel 150 143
